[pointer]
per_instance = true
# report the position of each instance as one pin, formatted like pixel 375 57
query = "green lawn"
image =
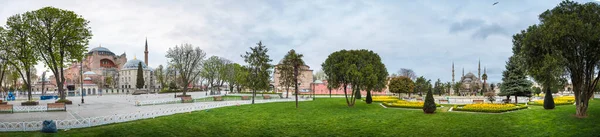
pixel 331 117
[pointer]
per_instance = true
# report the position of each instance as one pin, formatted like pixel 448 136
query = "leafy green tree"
pixel 159 73
pixel 61 37
pixel 241 77
pixel 18 50
pixel 492 86
pixel 536 90
pixel 448 87
pixel 233 69
pixel 439 87
pixel 514 81
pixel 457 87
pixel 484 86
pixel 187 61
pixel 259 68
pixel 401 84
pixel 429 105
pixel 570 33
pixel 420 85
pixel 139 81
pixel 210 71
pixel 374 72
pixel 286 77
pixel 294 61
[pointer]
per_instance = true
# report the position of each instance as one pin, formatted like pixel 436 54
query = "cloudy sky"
pixel 426 36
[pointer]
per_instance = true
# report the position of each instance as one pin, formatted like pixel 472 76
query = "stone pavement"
pixel 97 106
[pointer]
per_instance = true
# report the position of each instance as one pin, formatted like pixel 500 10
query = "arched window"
pixel 94 91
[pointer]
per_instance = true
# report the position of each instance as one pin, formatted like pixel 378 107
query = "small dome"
pixel 87 78
pixel 318 82
pixel 470 75
pixel 89 73
pixel 133 64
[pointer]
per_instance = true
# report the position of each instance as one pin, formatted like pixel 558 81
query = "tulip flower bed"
pixel 406 104
pixel 565 100
pixel 384 99
pixel 490 108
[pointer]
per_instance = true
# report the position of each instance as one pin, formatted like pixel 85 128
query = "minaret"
pixel 452 71
pixel 463 73
pixel 146 53
pixel 479 69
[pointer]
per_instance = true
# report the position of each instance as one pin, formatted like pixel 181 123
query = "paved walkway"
pixel 98 106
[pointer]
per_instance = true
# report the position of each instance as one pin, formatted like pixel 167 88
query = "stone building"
pixel 304 80
pixel 128 77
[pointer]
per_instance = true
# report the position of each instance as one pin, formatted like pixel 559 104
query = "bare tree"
pixel 407 73
pixel 187 61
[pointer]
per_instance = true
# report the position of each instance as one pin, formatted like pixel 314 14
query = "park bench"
pixel 245 98
pixel 218 98
pixel 419 99
pixel 3 102
pixel 444 101
pixel 6 108
pixel 266 97
pixel 478 101
pixel 506 100
pixel 56 106
pixel 186 99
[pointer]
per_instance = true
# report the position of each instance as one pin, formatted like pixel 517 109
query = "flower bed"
pixel 490 108
pixel 406 104
pixel 384 99
pixel 565 100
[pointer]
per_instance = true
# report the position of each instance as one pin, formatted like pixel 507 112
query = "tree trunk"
pixel 287 91
pixel 329 93
pixel 253 95
pixel 296 84
pixel 516 100
pixel 28 73
pixel 346 94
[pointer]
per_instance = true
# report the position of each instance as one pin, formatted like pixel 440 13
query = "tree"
pixel 570 33
pixel 241 77
pixel 407 73
pixel 536 90
pixel 548 100
pixel 160 75
pixel 492 87
pixel 448 87
pixel 294 62
pixel 187 61
pixel 484 87
pixel 18 50
pixel 374 72
pixel 420 85
pixel 429 105
pixel 438 87
pixel 233 69
pixel 258 66
pixel 514 81
pixel 401 84
pixel 139 81
pixel 210 71
pixel 286 76
pixel 491 96
pixel 61 37
pixel 457 87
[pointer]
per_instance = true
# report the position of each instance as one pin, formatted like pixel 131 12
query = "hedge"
pixel 490 108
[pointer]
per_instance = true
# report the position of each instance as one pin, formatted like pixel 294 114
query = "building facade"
pixel 304 80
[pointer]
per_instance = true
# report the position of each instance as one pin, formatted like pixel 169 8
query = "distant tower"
pixel 452 71
pixel 479 69
pixel 463 75
pixel 146 53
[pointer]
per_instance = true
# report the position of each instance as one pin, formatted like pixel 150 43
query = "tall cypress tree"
pixel 429 105
pixel 140 77
pixel 548 100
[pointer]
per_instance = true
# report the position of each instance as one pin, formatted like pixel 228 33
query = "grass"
pixel 331 117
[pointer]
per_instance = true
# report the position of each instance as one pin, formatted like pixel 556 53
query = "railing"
pixel 117 118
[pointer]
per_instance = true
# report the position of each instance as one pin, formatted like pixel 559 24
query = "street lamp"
pixel 81 88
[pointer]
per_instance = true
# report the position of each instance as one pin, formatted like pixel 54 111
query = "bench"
pixel 186 99
pixel 266 97
pixel 245 98
pixel 506 100
pixel 3 102
pixel 217 98
pixel 56 107
pixel 478 101
pixel 444 101
pixel 419 99
pixel 6 108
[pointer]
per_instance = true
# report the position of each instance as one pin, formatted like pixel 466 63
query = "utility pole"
pixel 81 88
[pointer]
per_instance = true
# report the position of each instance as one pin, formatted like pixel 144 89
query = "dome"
pixel 89 73
pixel 133 64
pixel 87 78
pixel 101 50
pixel 470 75
pixel 318 82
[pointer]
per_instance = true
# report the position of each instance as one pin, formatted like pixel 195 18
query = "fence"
pixel 117 118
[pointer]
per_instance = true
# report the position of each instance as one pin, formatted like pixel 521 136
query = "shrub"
pixel 548 101
pixel 490 108
pixel 66 101
pixel 429 105
pixel 490 96
pixel 406 104
pixel 369 99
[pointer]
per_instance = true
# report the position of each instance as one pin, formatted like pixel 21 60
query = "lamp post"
pixel 81 88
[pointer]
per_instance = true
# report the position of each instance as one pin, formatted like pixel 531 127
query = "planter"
pixel 29 103
pixel 68 102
